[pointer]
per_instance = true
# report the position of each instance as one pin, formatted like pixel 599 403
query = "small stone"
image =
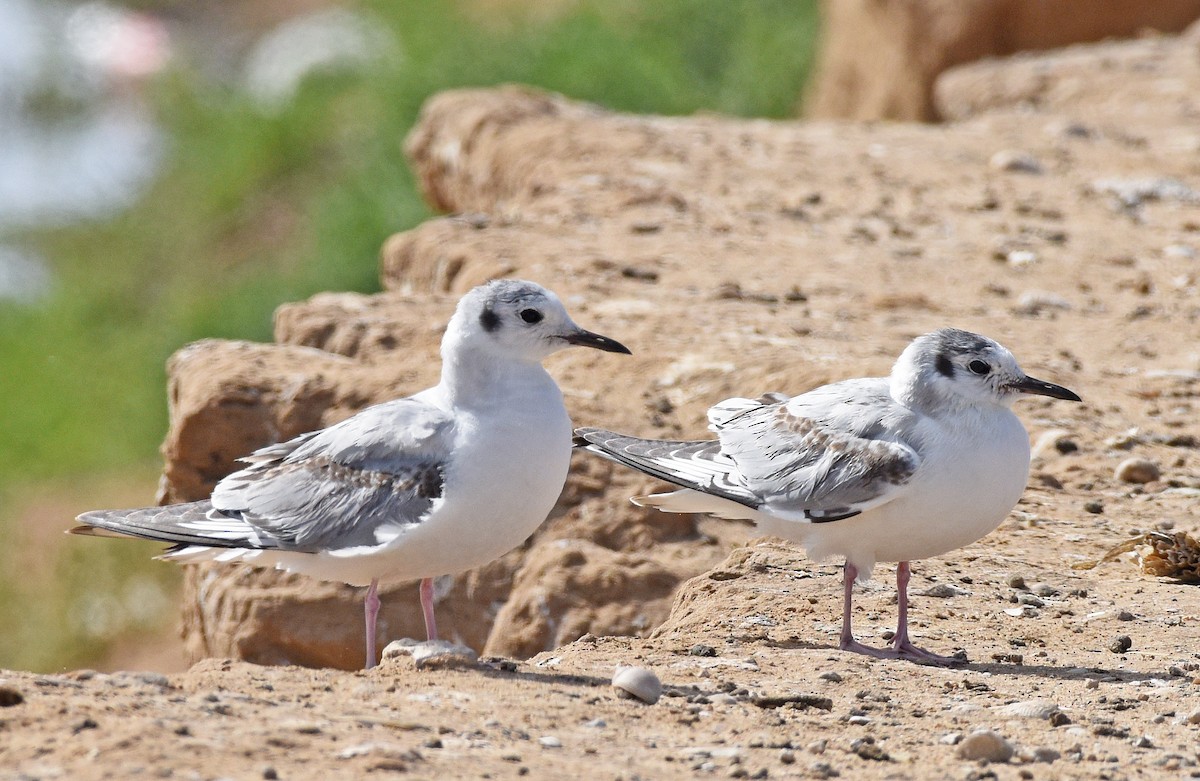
pixel 1017 582
pixel 1137 470
pixel 1021 257
pixel 1030 709
pixel 269 773
pixel 432 653
pixel 1045 754
pixel 1121 644
pixel 699 649
pixel 596 724
pixel 831 676
pixel 1143 742
pixel 1030 599
pixel 985 746
pixel 1051 442
pixel 787 756
pixel 1015 161
pixel 867 748
pixel 549 741
pixel 1193 717
pixel 1125 615
pixel 1035 302
pixel 1095 507
pixel 951 739
pixel 639 683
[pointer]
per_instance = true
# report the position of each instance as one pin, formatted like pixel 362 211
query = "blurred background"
pixel 172 170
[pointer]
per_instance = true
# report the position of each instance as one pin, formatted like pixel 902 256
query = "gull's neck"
pixel 472 377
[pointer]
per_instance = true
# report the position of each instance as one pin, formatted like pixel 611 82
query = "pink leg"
pixel 847 642
pixel 901 643
pixel 427 608
pixel 371 611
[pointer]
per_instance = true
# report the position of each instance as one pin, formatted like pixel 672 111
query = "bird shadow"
pixel 1012 669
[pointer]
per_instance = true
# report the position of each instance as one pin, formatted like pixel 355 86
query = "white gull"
pixel 433 484
pixel 894 468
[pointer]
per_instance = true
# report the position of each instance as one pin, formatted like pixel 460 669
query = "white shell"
pixel 638 682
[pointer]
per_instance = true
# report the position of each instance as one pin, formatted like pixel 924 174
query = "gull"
pixel 411 489
pixel 897 468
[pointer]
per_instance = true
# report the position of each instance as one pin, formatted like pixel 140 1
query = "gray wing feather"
pixel 699 465
pixel 346 485
pixel 358 482
pixel 825 455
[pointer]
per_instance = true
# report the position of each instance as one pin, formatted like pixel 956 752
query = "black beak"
pixel 1042 388
pixel 584 338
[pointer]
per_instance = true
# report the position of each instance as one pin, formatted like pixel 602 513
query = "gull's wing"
pixel 823 456
pixel 700 466
pixel 359 482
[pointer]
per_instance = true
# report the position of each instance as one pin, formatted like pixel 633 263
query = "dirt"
pixel 1059 213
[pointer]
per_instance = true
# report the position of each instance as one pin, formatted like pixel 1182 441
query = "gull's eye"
pixel 531 316
pixel 979 367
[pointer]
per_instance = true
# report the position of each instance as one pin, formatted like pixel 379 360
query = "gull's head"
pixel 521 321
pixel 955 368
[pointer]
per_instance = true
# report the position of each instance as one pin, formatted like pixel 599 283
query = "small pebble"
pixel 1125 615
pixel 985 746
pixel 639 683
pixel 1095 507
pixel 1121 644
pixel 1030 599
pixel 1035 302
pixel 1137 470
pixel 1045 590
pixel 1143 742
pixel 831 676
pixel 1030 709
pixel 787 756
pixel 1015 161
pixel 1045 754
pixel 1017 582
pixel 699 649
pixel 549 741
pixel 1193 717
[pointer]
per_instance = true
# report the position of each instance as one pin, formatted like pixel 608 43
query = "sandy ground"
pixel 1060 214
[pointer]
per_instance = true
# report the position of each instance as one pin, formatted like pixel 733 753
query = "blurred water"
pixel 76 140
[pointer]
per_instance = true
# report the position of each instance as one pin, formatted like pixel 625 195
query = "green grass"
pixel 255 210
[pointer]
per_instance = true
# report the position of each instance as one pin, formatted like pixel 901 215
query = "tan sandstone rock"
pixel 879 59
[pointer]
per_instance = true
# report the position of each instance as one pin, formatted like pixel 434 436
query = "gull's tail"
pixel 181 525
pixel 712 479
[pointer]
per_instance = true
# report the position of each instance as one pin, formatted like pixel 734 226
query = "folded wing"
pixel 360 482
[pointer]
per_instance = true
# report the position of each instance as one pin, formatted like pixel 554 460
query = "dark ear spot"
pixel 489 319
pixel 944 367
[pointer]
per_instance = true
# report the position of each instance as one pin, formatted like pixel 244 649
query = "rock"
pixel 1015 161
pixel 10 697
pixel 1051 442
pixel 985 746
pixel 1035 302
pixel 431 653
pixel 1121 644
pixel 1029 709
pixel 911 43
pixel 1137 470
pixel 638 683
